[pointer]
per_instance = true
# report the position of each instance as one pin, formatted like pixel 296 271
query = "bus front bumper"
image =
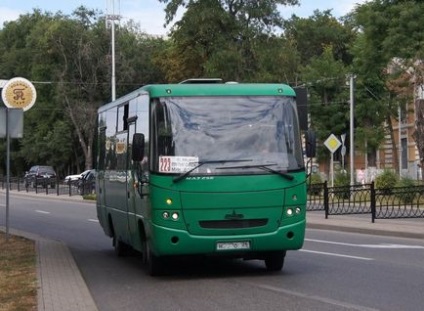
pixel 170 242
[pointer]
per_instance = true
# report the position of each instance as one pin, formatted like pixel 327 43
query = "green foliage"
pixel 341 179
pixel 317 32
pixel 90 197
pixel 315 178
pixel 230 40
pixel 252 14
pixel 390 30
pixel 386 181
pixel 233 40
pixel 328 106
pixel 70 55
pixel 407 192
pixel 342 185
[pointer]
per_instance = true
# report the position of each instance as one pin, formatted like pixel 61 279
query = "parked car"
pixel 87 184
pixel 73 179
pixel 40 175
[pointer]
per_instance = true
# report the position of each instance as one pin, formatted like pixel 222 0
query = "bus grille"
pixel 233 224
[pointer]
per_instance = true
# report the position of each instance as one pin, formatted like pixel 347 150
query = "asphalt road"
pixel 334 270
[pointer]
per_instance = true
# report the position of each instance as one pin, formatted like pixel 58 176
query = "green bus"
pixel 203 167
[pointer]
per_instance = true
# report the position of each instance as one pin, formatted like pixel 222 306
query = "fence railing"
pixel 397 202
pixel 54 187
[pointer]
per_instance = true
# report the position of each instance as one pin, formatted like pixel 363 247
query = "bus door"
pixel 100 182
pixel 138 171
pixel 118 187
pixel 131 184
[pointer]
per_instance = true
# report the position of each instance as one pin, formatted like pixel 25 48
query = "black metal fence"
pixel 398 202
pixel 47 186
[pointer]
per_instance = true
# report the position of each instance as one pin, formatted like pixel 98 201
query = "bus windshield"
pixel 225 135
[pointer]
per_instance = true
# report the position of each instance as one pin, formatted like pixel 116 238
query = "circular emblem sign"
pixel 19 93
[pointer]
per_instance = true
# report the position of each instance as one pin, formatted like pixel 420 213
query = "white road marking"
pixel 93 220
pixel 41 212
pixel 335 255
pixel 381 246
pixel 329 301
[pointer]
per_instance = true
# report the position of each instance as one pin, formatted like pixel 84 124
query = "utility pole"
pixel 352 148
pixel 400 140
pixel 111 18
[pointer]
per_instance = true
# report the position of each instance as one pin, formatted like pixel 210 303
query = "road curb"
pixel 371 231
pixel 60 285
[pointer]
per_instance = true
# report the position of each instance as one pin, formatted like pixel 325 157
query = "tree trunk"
pixel 393 141
pixel 419 130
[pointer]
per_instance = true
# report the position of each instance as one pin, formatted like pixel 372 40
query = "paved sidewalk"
pixel 406 228
pixel 62 288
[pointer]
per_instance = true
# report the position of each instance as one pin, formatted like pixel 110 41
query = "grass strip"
pixel 18 275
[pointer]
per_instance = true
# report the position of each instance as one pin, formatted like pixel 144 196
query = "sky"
pixel 149 14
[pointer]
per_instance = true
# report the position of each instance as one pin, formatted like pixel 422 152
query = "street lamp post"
pixel 352 151
pixel 111 18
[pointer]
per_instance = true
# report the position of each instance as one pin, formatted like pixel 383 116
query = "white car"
pixel 73 179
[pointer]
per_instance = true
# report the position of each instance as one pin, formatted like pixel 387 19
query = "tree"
pixel 372 103
pixel 251 14
pixel 328 102
pixel 220 38
pixel 313 34
pixel 68 60
pixel 81 50
pixel 21 57
pixel 392 31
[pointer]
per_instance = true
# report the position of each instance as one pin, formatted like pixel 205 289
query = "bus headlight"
pixel 175 216
pixel 165 215
pixel 289 212
pixel 298 210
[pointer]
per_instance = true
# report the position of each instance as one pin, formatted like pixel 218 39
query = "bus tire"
pixel 274 261
pixel 121 249
pixel 152 262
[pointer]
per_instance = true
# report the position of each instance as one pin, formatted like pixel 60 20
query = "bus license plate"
pixel 223 246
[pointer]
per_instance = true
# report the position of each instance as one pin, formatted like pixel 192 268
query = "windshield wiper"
pixel 200 163
pixel 264 167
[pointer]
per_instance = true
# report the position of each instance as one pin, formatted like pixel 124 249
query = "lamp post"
pixel 352 150
pixel 111 18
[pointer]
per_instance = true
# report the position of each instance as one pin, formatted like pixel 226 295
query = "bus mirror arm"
pixel 310 144
pixel 142 180
pixel 137 153
pixel 309 163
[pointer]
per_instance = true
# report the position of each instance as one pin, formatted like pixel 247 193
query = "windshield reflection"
pixel 190 130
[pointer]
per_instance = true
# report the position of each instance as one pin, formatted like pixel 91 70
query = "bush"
pixel 342 182
pixel 407 193
pixel 314 179
pixel 386 180
pixel 341 179
pixel 91 196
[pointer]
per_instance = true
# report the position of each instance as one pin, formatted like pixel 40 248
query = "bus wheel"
pixel 120 247
pixel 274 261
pixel 152 262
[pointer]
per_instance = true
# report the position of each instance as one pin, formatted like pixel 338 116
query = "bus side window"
pixel 164 131
pixel 165 141
pixel 102 149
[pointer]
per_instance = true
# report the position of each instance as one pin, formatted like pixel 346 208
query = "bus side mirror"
pixel 310 144
pixel 137 153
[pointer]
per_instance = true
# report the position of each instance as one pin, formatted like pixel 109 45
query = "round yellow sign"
pixel 19 93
